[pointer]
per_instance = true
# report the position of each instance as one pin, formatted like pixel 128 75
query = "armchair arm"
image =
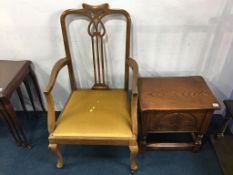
pixel 57 67
pixel 133 64
pixel 51 111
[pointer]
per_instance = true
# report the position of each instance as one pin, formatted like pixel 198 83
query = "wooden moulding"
pixel 91 140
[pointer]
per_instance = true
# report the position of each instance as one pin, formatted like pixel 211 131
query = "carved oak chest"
pixel 175 105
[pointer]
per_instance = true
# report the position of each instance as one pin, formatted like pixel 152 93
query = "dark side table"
pixel 12 74
pixel 175 105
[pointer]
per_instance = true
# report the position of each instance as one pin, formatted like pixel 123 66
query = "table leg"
pixel 8 108
pixel 19 92
pixel 144 126
pixel 202 131
pixel 11 129
pixel 36 85
pixel 29 94
pixel 143 144
pixel 198 142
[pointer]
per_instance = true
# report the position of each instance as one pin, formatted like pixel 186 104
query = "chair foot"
pixel 133 171
pixel 220 135
pixel 54 148
pixel 18 143
pixel 133 154
pixel 26 145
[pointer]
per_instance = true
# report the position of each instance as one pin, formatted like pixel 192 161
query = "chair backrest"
pixel 96 30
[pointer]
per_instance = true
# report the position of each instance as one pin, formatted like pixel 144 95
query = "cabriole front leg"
pixel 133 153
pixel 55 150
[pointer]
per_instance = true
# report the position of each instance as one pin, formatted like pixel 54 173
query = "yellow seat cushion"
pixel 95 113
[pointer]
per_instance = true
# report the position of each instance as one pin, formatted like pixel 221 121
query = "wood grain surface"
pixel 176 93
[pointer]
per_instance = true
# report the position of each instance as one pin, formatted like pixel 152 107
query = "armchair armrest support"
pixel 133 64
pixel 51 109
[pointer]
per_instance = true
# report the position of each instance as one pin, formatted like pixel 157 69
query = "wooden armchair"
pixel 99 115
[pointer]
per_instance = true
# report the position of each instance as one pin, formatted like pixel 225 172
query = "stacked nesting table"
pixel 12 74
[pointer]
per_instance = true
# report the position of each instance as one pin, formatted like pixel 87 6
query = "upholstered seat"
pixel 86 114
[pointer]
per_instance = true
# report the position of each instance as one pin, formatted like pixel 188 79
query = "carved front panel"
pixel 175 121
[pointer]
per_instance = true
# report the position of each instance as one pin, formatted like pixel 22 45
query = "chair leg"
pixel 224 127
pixel 54 148
pixel 133 153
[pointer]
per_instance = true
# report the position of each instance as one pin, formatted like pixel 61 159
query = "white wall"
pixel 170 37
